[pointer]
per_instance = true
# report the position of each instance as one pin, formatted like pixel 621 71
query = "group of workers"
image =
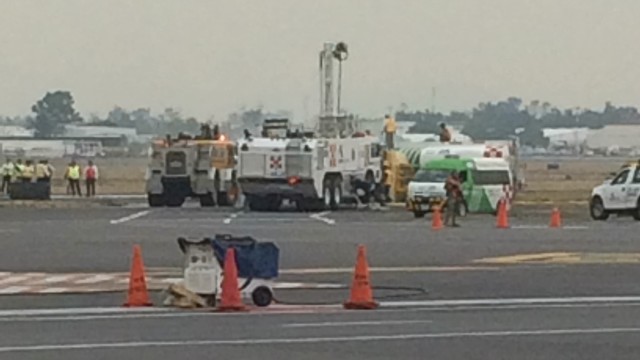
pixel 42 172
pixel 453 185
pixel 390 128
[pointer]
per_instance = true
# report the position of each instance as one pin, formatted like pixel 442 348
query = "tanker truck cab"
pixel 484 182
pixel 620 195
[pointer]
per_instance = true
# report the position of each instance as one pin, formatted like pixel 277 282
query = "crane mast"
pixel 333 122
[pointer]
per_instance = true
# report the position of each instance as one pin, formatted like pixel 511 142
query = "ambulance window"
pixel 463 176
pixel 621 179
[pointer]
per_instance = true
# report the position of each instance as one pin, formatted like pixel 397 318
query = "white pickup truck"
pixel 621 195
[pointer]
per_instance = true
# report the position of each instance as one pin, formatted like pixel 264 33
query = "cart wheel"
pixel 262 296
pixel 211 300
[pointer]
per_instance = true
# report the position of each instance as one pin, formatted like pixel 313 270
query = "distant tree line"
pixel 485 122
pixel 511 117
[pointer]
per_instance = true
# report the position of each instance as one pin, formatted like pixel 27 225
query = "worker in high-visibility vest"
pixel 28 171
pixel 73 176
pixel 8 171
pixel 389 130
pixel 18 169
pixel 42 172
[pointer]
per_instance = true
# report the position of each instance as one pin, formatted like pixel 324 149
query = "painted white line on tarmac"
pixel 512 301
pixel 13 289
pixel 532 227
pixel 130 217
pixel 80 311
pixel 315 340
pixel 516 307
pixel 337 270
pixel 104 317
pixel 356 323
pixel 278 284
pixel 96 279
pixel 323 217
pixel 231 217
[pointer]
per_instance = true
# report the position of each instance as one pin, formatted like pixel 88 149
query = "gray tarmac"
pixel 497 332
pixel 409 260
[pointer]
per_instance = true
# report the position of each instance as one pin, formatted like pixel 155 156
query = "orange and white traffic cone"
pixel 361 293
pixel 138 295
pixel 436 219
pixel 503 216
pixel 556 220
pixel 230 299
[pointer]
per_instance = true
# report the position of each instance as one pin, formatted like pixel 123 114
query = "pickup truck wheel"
pixel 597 210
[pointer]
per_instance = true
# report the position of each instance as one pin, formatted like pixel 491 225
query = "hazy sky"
pixel 210 57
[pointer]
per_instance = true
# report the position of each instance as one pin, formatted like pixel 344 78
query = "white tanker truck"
pixel 313 169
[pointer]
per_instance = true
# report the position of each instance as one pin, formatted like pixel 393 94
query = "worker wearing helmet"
pixel 389 130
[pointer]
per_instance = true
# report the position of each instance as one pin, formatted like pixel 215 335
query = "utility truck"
pixel 182 168
pixel 315 169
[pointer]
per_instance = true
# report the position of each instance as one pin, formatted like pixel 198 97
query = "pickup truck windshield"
pixel 432 175
pixel 491 177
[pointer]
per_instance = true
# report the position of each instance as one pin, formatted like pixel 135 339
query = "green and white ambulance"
pixel 484 182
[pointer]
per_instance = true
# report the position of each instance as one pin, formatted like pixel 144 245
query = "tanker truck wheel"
pixel 155 200
pixel 224 199
pixel 207 200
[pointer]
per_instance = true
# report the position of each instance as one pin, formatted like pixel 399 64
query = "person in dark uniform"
pixel 454 195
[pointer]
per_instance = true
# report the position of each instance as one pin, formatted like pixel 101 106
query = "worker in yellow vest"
pixel 28 171
pixel 73 176
pixel 42 172
pixel 389 130
pixel 8 171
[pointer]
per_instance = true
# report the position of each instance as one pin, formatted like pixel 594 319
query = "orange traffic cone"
pixel 230 299
pixel 138 294
pixel 556 220
pixel 361 294
pixel 436 219
pixel 503 217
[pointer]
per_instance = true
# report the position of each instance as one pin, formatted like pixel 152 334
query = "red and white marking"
pixel 63 283
pixel 276 162
pixel 492 152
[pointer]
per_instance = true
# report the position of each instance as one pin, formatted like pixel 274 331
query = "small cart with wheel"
pixel 257 264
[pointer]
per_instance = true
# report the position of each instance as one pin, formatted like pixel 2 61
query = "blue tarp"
pixel 254 259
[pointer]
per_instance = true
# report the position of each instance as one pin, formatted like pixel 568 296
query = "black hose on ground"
pixel 415 291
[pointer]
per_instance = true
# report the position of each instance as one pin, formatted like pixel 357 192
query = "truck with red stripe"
pixel 314 173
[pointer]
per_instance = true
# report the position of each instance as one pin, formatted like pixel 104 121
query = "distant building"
pixel 620 136
pixel 15 131
pixel 75 131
